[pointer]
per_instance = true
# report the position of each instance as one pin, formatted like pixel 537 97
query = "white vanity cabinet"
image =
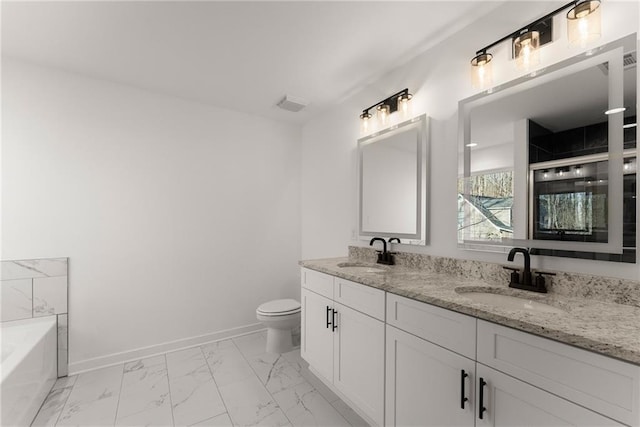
pixel 509 402
pixel 572 379
pixel 430 365
pixel 343 339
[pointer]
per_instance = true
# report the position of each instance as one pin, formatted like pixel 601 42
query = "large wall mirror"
pixel 548 161
pixel 392 178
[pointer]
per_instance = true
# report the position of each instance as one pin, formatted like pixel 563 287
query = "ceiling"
pixel 240 55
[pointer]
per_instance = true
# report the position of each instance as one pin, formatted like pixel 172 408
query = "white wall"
pixel 439 78
pixel 178 219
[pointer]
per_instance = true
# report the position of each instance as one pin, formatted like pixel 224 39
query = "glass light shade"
pixel 526 49
pixel 404 106
pixel 584 23
pixel 481 71
pixel 366 124
pixel 383 114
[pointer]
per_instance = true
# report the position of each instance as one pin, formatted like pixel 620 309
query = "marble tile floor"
pixel 226 383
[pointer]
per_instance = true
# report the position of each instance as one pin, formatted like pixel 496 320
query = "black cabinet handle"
pixel 333 319
pixel 481 407
pixel 463 399
pixel 328 321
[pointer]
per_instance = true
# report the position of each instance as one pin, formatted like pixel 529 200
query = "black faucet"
pixel 394 239
pixel 384 257
pixel 526 282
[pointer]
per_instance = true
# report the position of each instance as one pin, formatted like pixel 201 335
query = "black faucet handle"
pixel 515 275
pixel 540 282
pixel 545 273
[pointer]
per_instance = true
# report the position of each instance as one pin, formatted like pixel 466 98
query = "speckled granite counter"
pixel 595 324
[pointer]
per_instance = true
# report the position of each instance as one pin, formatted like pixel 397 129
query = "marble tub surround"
pixel 589 322
pixel 608 289
pixel 35 288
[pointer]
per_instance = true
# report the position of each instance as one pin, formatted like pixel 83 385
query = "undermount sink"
pixel 357 267
pixel 510 302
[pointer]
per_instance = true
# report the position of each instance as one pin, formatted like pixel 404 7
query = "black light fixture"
pixel 397 102
pixel 583 26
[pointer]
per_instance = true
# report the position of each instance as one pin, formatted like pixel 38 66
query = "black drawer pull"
pixel 333 319
pixel 463 399
pixel 481 407
pixel 328 321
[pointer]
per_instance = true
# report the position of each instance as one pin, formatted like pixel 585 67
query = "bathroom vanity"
pixel 406 346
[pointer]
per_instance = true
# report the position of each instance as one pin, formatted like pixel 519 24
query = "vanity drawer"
pixel 317 282
pixel 446 328
pixel 600 383
pixel 360 297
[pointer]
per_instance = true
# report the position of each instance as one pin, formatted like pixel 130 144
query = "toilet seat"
pixel 279 307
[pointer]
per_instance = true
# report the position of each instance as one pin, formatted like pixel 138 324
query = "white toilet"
pixel 280 317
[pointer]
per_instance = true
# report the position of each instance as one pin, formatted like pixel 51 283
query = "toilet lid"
pixel 279 307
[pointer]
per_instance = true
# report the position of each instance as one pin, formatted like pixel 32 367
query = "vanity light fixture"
pixel 397 102
pixel 629 125
pixel 526 49
pixel 471 144
pixel 481 70
pixel 583 27
pixel 584 23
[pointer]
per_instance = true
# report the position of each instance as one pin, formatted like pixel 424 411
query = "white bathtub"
pixel 28 368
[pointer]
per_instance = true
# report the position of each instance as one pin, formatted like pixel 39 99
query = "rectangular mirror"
pixel 547 163
pixel 392 178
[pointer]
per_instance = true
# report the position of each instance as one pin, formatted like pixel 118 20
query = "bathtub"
pixel 28 368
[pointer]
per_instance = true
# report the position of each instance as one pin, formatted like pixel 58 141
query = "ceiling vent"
pixel 292 103
pixel 629 60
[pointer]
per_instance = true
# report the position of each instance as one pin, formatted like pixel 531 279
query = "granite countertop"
pixel 603 327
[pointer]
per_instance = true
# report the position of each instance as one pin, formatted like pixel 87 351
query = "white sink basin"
pixel 511 302
pixel 361 268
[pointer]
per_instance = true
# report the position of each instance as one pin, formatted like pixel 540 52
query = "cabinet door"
pixel 316 335
pixel 425 384
pixel 359 361
pixel 510 402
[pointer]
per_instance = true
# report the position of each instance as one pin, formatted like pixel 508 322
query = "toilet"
pixel 280 317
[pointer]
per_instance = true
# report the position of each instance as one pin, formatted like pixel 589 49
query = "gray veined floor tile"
pixel 194 394
pixel 275 372
pixel 252 344
pixel 93 399
pixel 221 420
pixel 52 407
pixel 249 404
pixel 294 358
pixel 226 362
pixel 304 406
pixel 144 398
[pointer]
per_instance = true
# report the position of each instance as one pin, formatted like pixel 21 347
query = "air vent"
pixel 629 60
pixel 292 103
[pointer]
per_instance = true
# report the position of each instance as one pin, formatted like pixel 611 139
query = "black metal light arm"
pixel 389 101
pixel 537 21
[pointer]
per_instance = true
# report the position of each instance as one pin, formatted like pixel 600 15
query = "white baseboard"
pixel 153 350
